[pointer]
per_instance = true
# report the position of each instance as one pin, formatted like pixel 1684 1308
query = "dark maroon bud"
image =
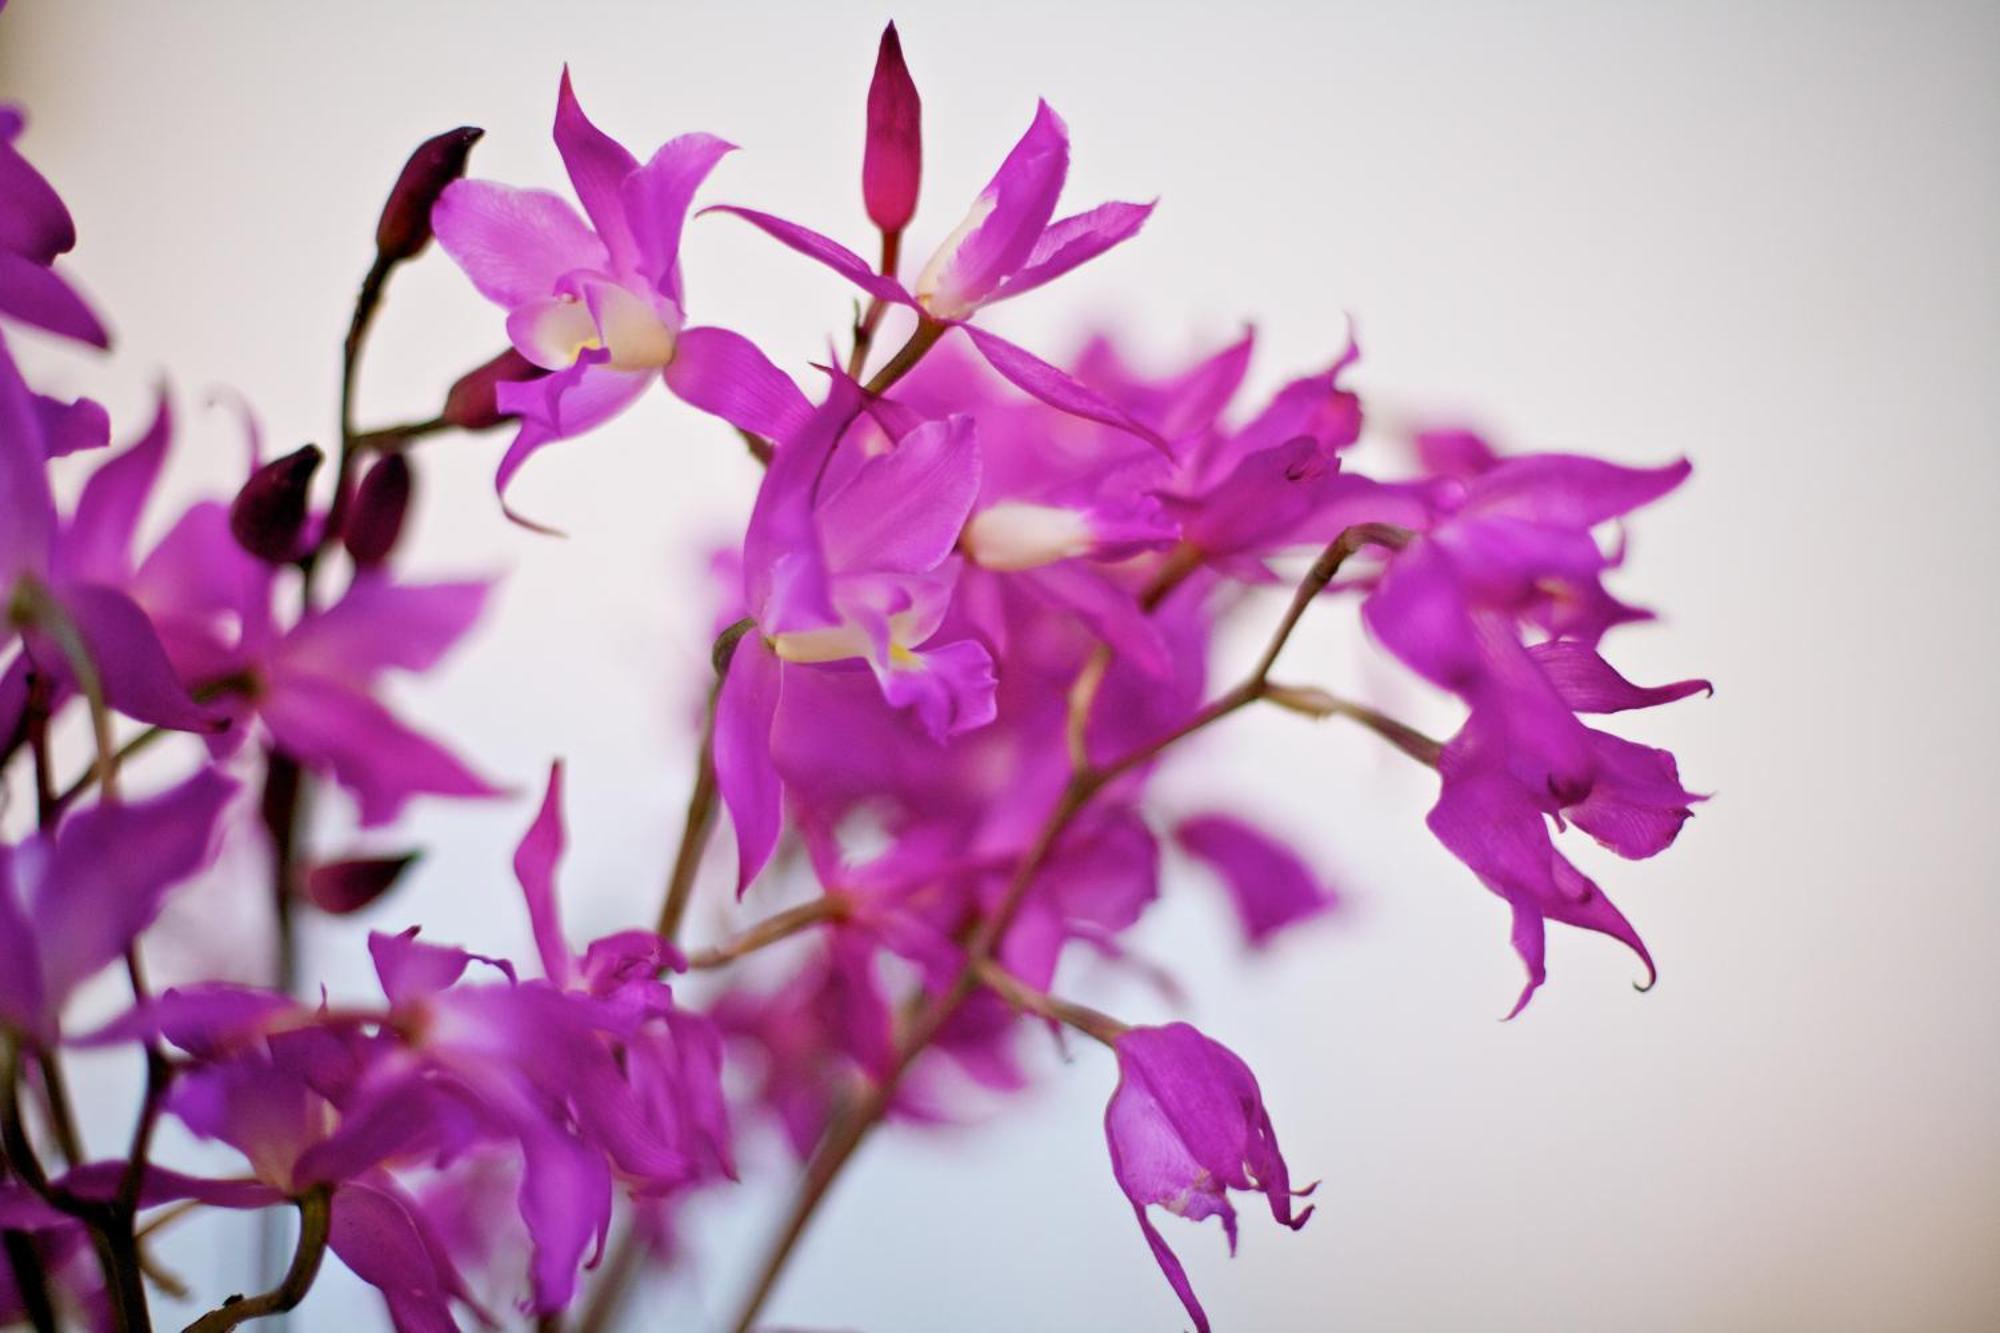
pixel 405 228
pixel 472 405
pixel 268 516
pixel 340 887
pixel 375 519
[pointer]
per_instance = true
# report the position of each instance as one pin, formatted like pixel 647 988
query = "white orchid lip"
pixel 1017 534
pixel 599 313
pixel 931 292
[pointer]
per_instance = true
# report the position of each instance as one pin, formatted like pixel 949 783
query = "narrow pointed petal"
pixel 331 726
pixel 824 249
pixel 657 199
pixel 598 166
pixel 379 625
pixel 1038 379
pixel 724 374
pixel 744 772
pixel 98 542
pixel 535 867
pixel 1565 490
pixel 514 245
pixel 892 163
pixel 1075 241
pixel 37 295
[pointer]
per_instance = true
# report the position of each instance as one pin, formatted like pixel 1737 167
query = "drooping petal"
pixel 657 199
pixel 329 725
pixel 21 992
pixel 110 869
pixel 514 245
pixel 376 1235
pixel 903 510
pixel 744 772
pixel 1007 219
pixel 1038 379
pixel 724 374
pixel 1269 885
pixel 535 867
pixel 1636 804
pixel 560 406
pixel 598 166
pixel 1589 684
pixel 410 969
pixel 1074 241
pixel 824 249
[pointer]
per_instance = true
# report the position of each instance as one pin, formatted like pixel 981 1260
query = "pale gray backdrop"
pixel 1759 234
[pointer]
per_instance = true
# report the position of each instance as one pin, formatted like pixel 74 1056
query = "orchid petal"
pixel 535 867
pixel 598 166
pixel 657 199
pixel 903 510
pixel 515 245
pixel 1006 221
pixel 1072 242
pixel 724 374
pixel 1038 379
pixel 824 249
pixel 1270 887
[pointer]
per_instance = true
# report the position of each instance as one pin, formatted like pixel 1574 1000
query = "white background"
pixel 1762 235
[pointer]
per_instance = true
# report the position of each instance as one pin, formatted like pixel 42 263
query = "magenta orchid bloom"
pixel 600 304
pixel 1009 242
pixel 848 560
pixel 1186 1125
pixel 313 686
pixel 1516 548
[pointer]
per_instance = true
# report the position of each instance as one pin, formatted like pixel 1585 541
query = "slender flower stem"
pixel 695 831
pixel 780 926
pixel 315 1221
pixel 1025 998
pixel 395 437
pixel 864 328
pixel 31 1282
pixel 905 360
pixel 846 1134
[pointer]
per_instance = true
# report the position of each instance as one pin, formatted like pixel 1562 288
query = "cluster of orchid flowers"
pixel 970 618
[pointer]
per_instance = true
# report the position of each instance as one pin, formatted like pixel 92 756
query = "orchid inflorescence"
pixel 969 620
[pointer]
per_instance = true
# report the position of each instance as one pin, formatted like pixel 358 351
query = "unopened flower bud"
pixel 268 516
pixel 375 519
pixel 405 228
pixel 340 887
pixel 472 405
pixel 892 164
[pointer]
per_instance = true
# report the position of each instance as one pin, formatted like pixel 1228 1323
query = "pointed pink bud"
pixel 381 501
pixel 340 887
pixel 893 163
pixel 405 228
pixel 268 516
pixel 471 404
